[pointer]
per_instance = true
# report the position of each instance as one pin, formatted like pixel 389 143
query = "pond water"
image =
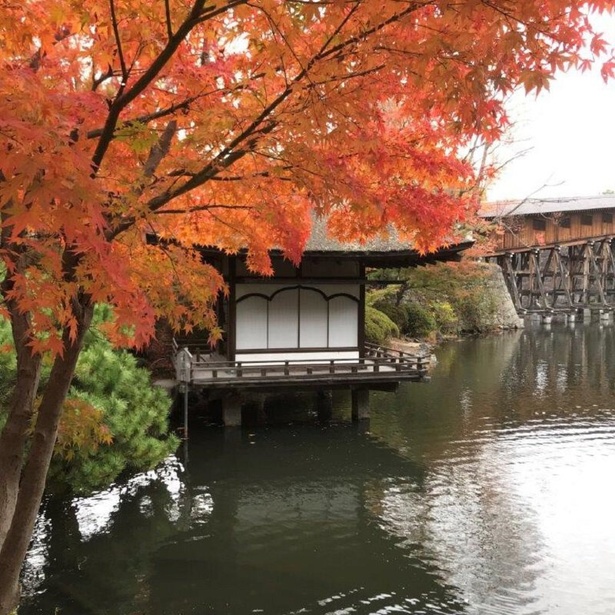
pixel 489 490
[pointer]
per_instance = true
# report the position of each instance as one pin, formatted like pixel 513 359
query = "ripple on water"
pixel 518 518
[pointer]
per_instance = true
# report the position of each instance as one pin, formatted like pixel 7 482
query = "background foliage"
pixel 439 300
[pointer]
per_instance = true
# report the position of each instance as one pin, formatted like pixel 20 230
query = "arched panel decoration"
pixel 283 328
pixel 343 322
pixel 252 316
pixel 314 323
pixel 297 317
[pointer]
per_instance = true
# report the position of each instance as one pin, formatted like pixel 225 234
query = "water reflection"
pixel 518 486
pixel 486 491
pixel 277 523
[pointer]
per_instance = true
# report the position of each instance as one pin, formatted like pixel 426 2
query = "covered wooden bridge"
pixel 302 328
pixel 557 255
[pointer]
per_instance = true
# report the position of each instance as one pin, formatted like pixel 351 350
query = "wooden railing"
pixel 198 348
pixel 393 355
pixel 380 363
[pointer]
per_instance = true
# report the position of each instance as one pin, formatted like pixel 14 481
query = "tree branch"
pixel 160 149
pixel 167 12
pixel 149 117
pixel 118 42
pixel 195 209
pixel 96 81
pixel 155 157
pixel 197 15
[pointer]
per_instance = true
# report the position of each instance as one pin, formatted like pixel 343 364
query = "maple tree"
pixel 227 123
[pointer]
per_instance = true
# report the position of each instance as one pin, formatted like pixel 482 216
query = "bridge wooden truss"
pixel 561 278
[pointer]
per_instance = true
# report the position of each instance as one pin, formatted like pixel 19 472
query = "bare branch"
pixel 192 210
pixel 167 12
pixel 118 42
pixel 96 81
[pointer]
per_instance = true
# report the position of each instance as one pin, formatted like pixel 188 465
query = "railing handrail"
pixel 203 343
pixel 303 363
pixel 378 361
pixel 391 351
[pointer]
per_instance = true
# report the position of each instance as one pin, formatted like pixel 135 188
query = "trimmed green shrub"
pixel 378 326
pixel 397 313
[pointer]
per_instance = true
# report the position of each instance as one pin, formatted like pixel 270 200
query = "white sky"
pixel 571 133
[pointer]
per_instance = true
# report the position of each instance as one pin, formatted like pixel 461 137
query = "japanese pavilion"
pixel 301 328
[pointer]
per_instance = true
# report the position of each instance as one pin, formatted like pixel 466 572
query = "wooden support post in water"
pixel 231 411
pixel 360 404
pixel 261 414
pixel 185 386
pixel 324 405
pixel 184 375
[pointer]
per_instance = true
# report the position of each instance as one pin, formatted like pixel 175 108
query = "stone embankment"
pixel 504 316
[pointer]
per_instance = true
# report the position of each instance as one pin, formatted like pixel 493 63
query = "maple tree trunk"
pixel 14 436
pixel 32 484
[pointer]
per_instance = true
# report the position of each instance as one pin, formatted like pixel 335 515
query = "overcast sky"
pixel 571 133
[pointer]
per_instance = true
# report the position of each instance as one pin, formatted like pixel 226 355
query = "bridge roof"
pixel 525 207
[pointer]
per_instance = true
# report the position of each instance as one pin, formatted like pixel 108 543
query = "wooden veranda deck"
pixel 378 366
